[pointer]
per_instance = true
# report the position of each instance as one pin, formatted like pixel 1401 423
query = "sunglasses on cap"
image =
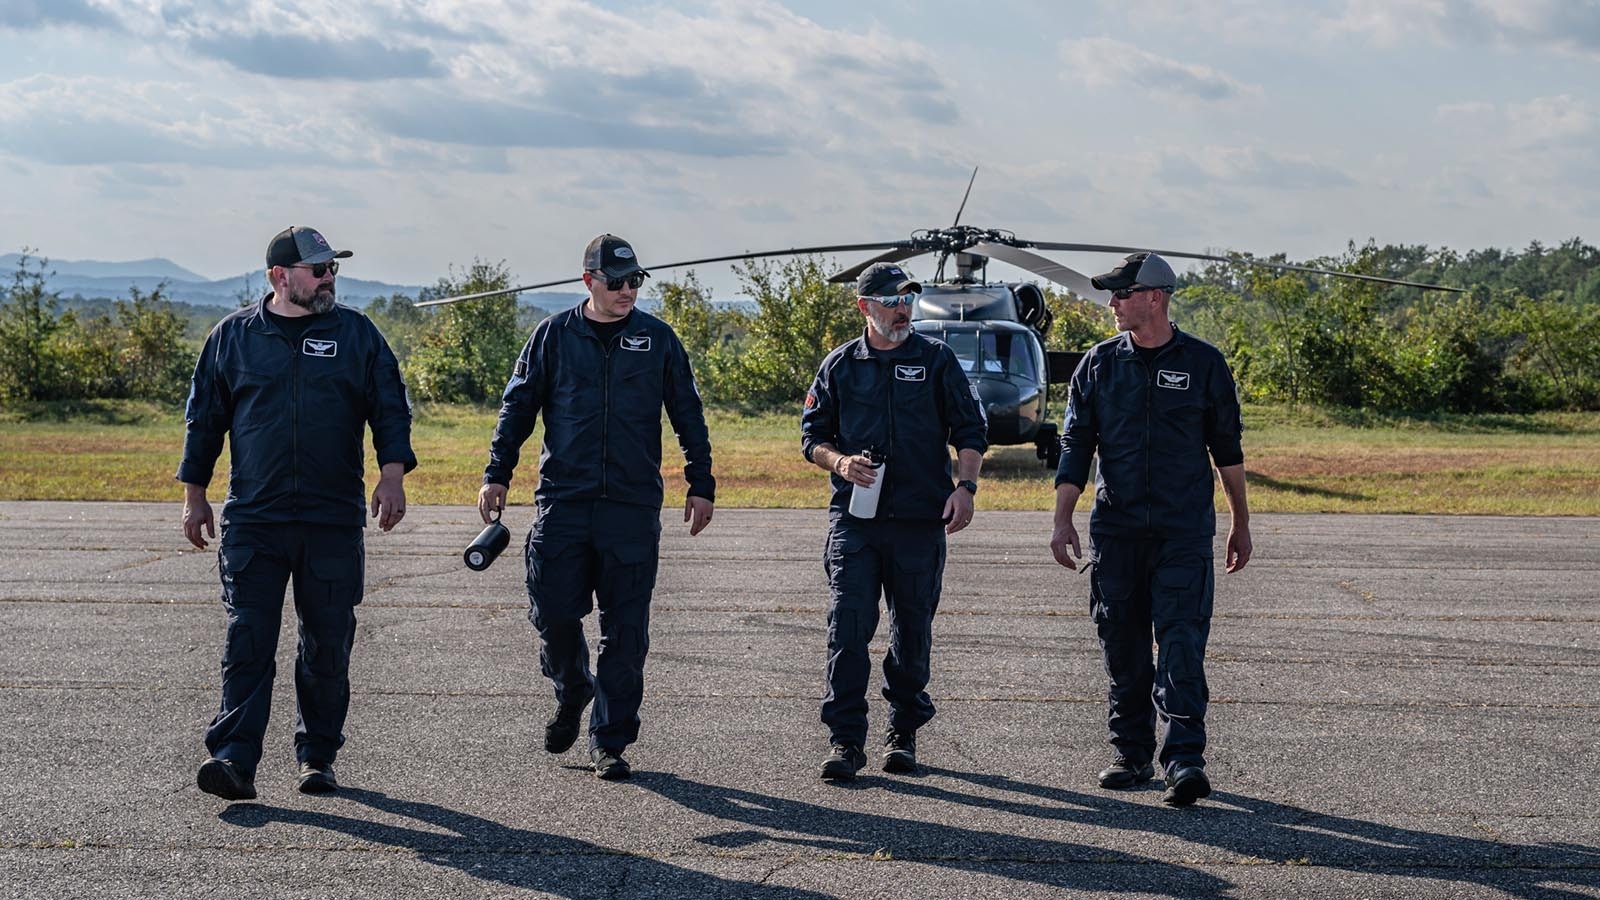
pixel 634 280
pixel 895 300
pixel 319 269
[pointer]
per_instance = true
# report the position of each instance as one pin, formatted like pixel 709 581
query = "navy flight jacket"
pixel 914 402
pixel 1153 427
pixel 602 412
pixel 293 415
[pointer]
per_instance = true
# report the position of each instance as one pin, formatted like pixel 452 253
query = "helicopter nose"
pixel 1012 408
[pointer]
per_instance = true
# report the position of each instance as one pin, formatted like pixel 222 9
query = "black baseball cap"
pixel 885 279
pixel 299 244
pixel 611 255
pixel 1143 269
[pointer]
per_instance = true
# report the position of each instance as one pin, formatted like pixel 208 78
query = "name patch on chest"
pixel 636 344
pixel 1177 381
pixel 314 347
pixel 911 373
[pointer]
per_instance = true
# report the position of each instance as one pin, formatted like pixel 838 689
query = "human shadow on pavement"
pixel 1277 832
pixel 517 857
pixel 1056 864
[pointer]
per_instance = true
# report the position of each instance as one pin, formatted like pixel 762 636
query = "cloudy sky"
pixel 424 133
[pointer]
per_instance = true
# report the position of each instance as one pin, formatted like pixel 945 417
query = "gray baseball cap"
pixel 611 255
pixel 1143 269
pixel 299 244
pixel 885 279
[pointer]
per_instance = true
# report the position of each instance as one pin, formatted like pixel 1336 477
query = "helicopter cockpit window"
pixel 1007 354
pixel 965 345
pixel 998 354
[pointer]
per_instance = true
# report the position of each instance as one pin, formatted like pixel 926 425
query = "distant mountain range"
pixel 93 279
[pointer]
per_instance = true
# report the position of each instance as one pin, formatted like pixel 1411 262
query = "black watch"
pixel 970 485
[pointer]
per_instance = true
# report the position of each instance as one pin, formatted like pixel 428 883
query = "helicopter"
pixel 998 330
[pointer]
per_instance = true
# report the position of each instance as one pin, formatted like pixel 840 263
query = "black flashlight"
pixel 488 545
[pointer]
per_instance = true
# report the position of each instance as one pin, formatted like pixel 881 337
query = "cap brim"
pixel 326 255
pixel 1112 281
pixel 624 271
pixel 889 289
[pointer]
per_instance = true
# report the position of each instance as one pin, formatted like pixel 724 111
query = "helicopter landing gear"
pixel 1048 446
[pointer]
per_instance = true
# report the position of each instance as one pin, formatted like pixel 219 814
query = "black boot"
pixel 562 730
pixel 900 751
pixel 843 762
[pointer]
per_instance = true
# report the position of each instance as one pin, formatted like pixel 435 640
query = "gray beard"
pixel 892 335
pixel 319 302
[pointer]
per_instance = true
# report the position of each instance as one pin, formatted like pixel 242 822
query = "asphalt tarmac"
pixel 1401 707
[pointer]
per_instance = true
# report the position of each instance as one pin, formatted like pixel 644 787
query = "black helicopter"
pixel 997 330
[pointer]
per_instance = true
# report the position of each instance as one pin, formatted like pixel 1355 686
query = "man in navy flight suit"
pixel 904 398
pixel 1153 402
pixel 600 373
pixel 290 382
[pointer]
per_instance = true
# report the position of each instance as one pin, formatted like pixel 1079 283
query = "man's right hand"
pixel 197 515
pixel 856 470
pixel 1062 539
pixel 491 500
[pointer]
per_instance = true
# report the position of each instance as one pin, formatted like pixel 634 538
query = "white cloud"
pixel 1103 62
pixel 1249 167
pixel 1570 26
pixel 1551 120
pixel 441 78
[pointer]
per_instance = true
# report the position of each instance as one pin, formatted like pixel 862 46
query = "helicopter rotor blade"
pixel 1243 260
pixel 845 276
pixel 479 296
pixel 1071 279
pixel 964 197
pixel 793 251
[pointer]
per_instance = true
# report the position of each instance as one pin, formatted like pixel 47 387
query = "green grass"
pixel 1298 461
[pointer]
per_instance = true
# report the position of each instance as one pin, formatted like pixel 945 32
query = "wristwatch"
pixel 971 486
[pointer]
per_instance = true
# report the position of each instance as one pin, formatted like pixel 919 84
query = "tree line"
pixel 1523 336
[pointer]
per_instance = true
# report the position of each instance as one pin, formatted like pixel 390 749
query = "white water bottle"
pixel 864 500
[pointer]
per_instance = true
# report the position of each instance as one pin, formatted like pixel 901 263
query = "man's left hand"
pixel 697 512
pixel 389 501
pixel 1239 547
pixel 957 511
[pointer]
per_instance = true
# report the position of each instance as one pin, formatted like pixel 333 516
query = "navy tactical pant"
pixel 1138 586
pixel 257 562
pixel 580 553
pixel 904 562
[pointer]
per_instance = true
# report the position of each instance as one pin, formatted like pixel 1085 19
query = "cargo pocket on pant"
pixel 1182 592
pixel 231 563
pixel 1107 593
pixel 557 587
pixel 341 576
pixel 635 574
pixel 243 635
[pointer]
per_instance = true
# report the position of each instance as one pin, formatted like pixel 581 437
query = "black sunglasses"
pixel 634 280
pixel 319 269
pixel 1125 293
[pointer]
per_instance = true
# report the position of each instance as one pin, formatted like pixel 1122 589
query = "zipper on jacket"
pixel 1149 424
pixel 605 417
pixel 294 422
pixel 889 417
